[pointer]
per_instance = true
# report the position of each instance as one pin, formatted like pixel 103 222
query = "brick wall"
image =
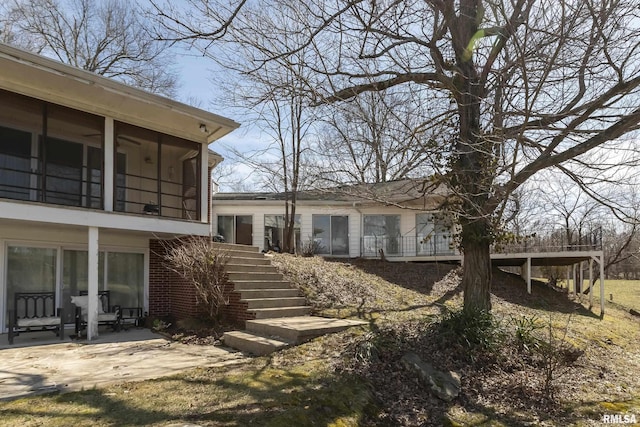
pixel 171 295
pixel 236 311
pixel 159 281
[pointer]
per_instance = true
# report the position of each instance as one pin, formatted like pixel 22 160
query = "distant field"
pixel 625 292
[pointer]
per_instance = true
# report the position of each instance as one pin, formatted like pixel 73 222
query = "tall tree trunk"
pixel 472 171
pixel 476 275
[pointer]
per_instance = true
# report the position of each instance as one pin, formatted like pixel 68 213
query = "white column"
pixel 529 275
pixel 590 283
pixel 109 163
pixel 204 183
pixel 92 315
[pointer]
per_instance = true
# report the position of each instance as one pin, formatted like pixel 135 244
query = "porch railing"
pixel 23 178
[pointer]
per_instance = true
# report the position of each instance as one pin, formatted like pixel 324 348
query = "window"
pixel 30 270
pixel 75 278
pixel 331 234
pixel 124 278
pixel 274 232
pixel 433 234
pixel 381 232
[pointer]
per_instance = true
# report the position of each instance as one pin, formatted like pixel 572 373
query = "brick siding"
pixel 172 296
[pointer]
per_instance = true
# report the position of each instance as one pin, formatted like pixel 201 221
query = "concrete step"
pixel 242 285
pixel 237 248
pixel 243 260
pixel 268 293
pixel 253 343
pixel 275 302
pixel 269 313
pixel 246 276
pixel 301 328
pixel 250 268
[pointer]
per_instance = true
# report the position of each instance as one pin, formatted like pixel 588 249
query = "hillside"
pixel 547 359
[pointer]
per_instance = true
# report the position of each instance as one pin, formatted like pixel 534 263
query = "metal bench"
pixel 33 312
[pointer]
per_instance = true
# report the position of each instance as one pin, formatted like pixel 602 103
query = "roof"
pixel 400 192
pixel 43 78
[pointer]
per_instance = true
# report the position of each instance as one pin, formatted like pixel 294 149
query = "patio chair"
pixel 107 314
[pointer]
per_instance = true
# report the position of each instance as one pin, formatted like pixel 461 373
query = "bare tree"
pixel 378 137
pixel 275 98
pixel 529 85
pixel 109 38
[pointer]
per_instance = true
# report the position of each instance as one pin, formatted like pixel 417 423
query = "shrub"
pixel 476 333
pixel 204 266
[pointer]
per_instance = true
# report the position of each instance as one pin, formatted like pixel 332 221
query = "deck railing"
pixel 407 245
pixel 553 241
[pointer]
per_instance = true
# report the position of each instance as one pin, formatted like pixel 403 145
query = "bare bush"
pixel 204 266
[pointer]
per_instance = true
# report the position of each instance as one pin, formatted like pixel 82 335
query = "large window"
pixel 382 232
pixel 75 278
pixel 274 232
pixel 331 234
pixel 433 234
pixel 236 228
pixel 30 270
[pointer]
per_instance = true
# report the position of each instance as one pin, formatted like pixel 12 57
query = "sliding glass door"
pixel 29 270
pixel 331 234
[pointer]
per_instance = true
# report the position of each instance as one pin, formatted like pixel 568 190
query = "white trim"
pixel 89 218
pixel 204 184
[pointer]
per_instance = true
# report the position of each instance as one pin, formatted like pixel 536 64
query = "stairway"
pixel 277 316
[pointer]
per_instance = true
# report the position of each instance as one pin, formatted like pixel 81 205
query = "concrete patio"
pixel 40 362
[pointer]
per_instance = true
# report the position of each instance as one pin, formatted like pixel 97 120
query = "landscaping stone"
pixel 445 385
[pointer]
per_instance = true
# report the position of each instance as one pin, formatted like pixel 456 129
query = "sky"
pixel 197 86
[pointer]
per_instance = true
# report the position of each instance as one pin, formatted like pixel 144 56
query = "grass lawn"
pixel 355 377
pixel 625 292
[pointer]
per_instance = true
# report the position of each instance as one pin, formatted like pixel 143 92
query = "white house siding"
pixel 58 238
pixel 259 208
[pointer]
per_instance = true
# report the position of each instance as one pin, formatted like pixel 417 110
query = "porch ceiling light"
pixel 203 128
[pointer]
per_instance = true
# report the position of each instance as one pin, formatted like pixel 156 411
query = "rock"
pixel 445 385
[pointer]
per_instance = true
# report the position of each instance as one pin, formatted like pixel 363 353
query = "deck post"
pixel 528 273
pixel 590 283
pixel 601 286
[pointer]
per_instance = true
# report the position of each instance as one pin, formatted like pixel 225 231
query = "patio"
pixel 41 363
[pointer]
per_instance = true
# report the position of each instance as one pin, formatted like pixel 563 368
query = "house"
pixel 401 219
pixel 92 174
